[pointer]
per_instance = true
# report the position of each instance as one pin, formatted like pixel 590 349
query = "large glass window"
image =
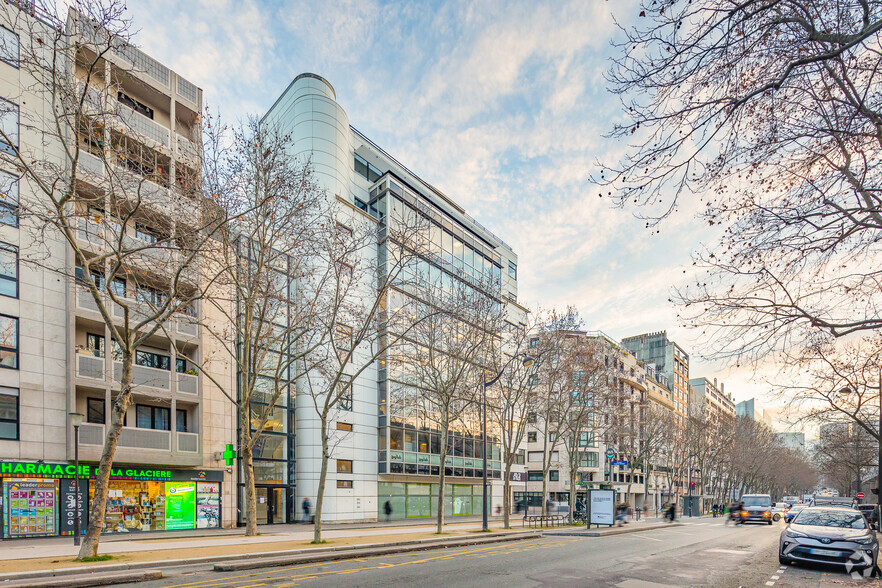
pixel 9 49
pixel 512 270
pixel 181 420
pixel 95 344
pixel 8 270
pixel 152 417
pixel 8 413
pixel 8 199
pixel 344 466
pixel 95 411
pixel 152 360
pixel 8 342
pixel 9 126
pixel 534 476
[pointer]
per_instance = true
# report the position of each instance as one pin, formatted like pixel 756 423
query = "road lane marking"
pixel 776 577
pixel 647 538
pixel 739 551
pixel 770 583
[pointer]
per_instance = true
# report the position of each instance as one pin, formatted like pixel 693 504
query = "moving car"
pixel 829 535
pixel 794 510
pixel 757 508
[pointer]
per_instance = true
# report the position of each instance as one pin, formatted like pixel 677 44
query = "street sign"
pixel 860 495
pixel 620 462
pixel 610 453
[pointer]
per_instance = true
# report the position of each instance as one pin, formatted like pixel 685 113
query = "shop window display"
pixel 156 506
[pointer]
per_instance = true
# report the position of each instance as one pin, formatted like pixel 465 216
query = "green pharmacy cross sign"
pixel 230 454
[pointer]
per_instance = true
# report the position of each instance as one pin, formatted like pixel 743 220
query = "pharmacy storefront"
pixel 40 499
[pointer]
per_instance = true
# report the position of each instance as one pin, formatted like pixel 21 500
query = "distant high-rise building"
pixel 752 410
pixel 712 399
pixel 792 439
pixel 670 361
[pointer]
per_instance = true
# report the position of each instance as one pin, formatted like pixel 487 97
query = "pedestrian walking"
pixel 307 507
pixel 387 508
pixel 671 513
pixel 621 513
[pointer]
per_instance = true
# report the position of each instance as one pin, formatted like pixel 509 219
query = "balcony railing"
pixel 188 442
pixel 144 126
pixel 187 148
pixel 145 376
pixel 85 300
pixel 91 434
pixel 187 326
pixel 188 384
pixel 145 438
pixel 89 366
pixel 89 165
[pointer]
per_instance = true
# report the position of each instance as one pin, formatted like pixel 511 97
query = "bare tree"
pixel 260 320
pixel 133 218
pixel 448 352
pixel 657 426
pixel 763 118
pixel 513 398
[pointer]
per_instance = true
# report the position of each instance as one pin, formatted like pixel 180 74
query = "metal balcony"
pixel 91 434
pixel 187 383
pixel 145 438
pixel 188 442
pixel 145 376
pixel 143 126
pixel 89 366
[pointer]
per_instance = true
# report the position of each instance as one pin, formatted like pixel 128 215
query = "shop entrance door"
pixel 270 505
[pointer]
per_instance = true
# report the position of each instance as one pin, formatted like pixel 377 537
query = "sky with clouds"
pixel 500 104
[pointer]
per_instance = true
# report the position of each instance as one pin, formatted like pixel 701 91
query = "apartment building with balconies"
pixel 141 128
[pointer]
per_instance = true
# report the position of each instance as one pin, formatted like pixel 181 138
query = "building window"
pixel 8 342
pixel 9 48
pixel 345 395
pixel 344 483
pixel 344 426
pixel 588 459
pixel 586 439
pixel 344 466
pixel 95 411
pixel 181 420
pixel 8 413
pixel 551 437
pixel 531 437
pixel 152 417
pixel 8 270
pixel 343 338
pixel 366 170
pixel 553 476
pixel 535 456
pixel 9 126
pixel 534 476
pixel 95 344
pixel 152 360
pixel 8 199
pixel 521 457
pixel 512 270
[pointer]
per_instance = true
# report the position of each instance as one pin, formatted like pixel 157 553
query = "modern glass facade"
pixel 450 257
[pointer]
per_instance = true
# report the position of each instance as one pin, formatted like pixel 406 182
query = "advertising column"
pixel 180 505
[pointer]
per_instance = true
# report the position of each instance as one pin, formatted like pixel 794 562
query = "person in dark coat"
pixel 387 508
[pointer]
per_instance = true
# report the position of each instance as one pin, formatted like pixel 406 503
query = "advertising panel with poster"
pixel 207 505
pixel 180 505
pixel 602 506
pixel 30 508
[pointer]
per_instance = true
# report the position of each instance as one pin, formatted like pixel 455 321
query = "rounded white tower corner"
pixel 321 133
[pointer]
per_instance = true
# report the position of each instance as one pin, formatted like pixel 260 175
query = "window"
pixel 8 342
pixel 8 199
pixel 534 456
pixel 551 437
pixel 152 360
pixel 344 466
pixel 9 126
pixel 8 413
pixel 145 233
pixel 180 420
pixel 512 296
pixel 151 296
pixel 588 459
pixel 152 417
pixel 343 337
pixel 344 230
pixel 586 439
pixel 344 426
pixel 8 270
pixel 95 344
pixel 553 476
pixel 531 437
pixel 9 49
pixel 135 105
pixel 95 411
pixel 344 483
pixel 533 380
pixel 345 396
pixel 521 457
pixel 366 170
pixel 534 476
pixel 512 270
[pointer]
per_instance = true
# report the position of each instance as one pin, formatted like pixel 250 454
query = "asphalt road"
pixel 702 552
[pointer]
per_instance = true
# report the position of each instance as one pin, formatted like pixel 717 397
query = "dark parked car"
pixel 794 510
pixel 871 511
pixel 829 535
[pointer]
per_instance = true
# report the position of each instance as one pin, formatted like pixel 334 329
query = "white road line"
pixel 770 583
pixel 726 551
pixel 645 537
pixel 776 577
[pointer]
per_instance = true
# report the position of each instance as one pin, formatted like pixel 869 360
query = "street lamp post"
pixel 76 419
pixel 527 362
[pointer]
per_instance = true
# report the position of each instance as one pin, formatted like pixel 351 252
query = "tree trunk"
pixel 89 547
pixel 506 498
pixel 250 490
pixel 323 476
pixel 572 492
pixel 441 475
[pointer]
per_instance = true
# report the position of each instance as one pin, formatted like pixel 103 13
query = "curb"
pixel 607 533
pixel 309 552
pixel 92 579
pixel 421 545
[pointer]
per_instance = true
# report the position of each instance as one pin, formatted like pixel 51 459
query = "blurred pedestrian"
pixel 307 507
pixel 387 508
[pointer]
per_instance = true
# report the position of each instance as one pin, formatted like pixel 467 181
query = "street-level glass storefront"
pixel 413 500
pixel 40 500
